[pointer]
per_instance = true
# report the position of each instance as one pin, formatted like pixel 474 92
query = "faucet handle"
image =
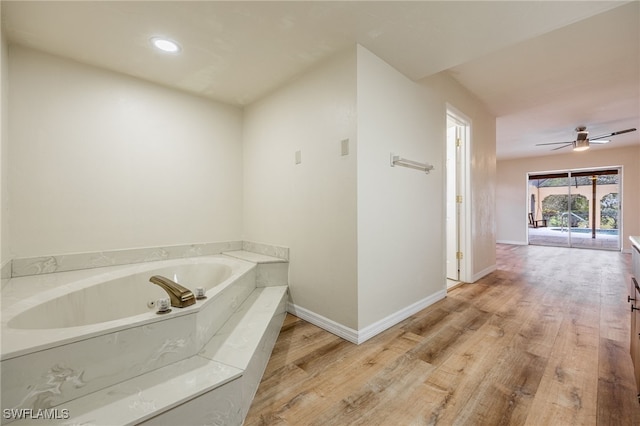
pixel 200 293
pixel 163 306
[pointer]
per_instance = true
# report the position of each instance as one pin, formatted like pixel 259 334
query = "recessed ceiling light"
pixel 166 45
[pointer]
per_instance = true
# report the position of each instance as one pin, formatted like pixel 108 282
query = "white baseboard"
pixel 331 326
pixel 513 243
pixel 484 272
pixel 393 319
pixel 360 336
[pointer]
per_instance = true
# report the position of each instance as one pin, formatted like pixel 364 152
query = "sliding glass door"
pixel 602 216
pixel 575 209
pixel 549 204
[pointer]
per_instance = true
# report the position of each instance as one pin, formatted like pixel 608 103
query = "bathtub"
pixel 118 298
pixel 68 334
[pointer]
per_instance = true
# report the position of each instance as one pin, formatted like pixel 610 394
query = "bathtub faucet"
pixel 180 296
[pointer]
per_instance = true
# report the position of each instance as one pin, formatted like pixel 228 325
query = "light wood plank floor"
pixel 544 340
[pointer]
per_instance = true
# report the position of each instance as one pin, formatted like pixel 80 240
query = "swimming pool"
pixel 588 231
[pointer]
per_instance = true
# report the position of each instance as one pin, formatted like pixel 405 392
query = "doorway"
pixel 456 197
pixel 576 208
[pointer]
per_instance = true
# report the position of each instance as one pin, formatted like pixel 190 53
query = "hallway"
pixel 543 340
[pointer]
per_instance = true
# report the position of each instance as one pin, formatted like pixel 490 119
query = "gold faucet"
pixel 180 296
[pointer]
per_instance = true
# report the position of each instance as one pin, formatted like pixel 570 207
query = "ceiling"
pixel 541 67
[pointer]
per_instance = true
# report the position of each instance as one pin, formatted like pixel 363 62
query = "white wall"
pixel 366 239
pixel 512 187
pixel 400 210
pixel 103 161
pixel 309 207
pixel 482 168
pixel 4 140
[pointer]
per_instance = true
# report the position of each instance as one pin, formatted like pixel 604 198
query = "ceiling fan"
pixel 582 139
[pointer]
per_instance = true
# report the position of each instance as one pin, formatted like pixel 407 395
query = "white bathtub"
pixel 68 334
pixel 119 298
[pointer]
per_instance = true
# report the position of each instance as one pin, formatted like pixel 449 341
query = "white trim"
pixel 621 208
pixel 512 242
pixel 484 273
pixel 331 326
pixel 464 232
pixel 360 336
pixel 393 319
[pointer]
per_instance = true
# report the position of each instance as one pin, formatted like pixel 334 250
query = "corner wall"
pixel 512 188
pixel 400 210
pixel 309 207
pixel 366 239
pixel 103 161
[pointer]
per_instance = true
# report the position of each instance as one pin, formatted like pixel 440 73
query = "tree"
pixel 609 208
pixel 553 206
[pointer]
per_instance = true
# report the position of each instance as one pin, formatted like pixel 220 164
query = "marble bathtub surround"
pixel 84 366
pixel 270 271
pixel 266 249
pixel 216 386
pixel 24 293
pixel 20 267
pixel 43 368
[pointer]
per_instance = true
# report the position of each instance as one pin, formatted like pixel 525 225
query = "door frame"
pixel 463 174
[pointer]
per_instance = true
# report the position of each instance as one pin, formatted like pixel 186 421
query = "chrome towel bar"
pixel 396 160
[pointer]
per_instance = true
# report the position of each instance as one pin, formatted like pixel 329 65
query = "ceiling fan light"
pixel 581 145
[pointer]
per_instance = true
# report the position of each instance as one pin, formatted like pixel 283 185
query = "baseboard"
pixel 484 273
pixel 513 243
pixel 360 336
pixel 331 326
pixel 393 319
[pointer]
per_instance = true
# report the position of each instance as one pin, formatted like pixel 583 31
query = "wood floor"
pixel 544 340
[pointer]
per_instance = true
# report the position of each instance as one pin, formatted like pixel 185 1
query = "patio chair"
pixel 536 223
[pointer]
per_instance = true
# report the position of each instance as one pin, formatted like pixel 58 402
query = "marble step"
pixel 270 270
pixel 218 383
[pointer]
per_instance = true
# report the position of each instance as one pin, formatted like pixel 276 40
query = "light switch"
pixel 298 157
pixel 344 147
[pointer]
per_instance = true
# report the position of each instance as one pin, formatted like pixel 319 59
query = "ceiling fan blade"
pixel 612 134
pixel 598 142
pixel 554 143
pixel 560 147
